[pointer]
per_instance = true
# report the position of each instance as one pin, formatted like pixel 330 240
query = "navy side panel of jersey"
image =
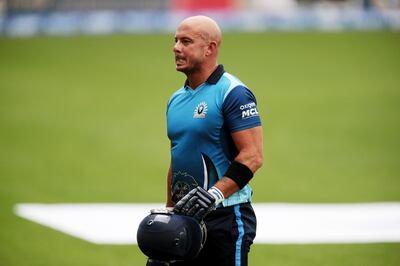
pixel 240 109
pixel 240 112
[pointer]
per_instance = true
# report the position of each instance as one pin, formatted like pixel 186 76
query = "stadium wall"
pixel 108 21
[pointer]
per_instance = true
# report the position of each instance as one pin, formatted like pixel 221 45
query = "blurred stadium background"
pixel 29 17
pixel 84 86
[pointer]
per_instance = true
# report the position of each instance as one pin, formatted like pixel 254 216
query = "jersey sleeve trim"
pixel 244 127
pixel 234 82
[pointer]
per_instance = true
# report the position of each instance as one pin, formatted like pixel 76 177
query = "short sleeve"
pixel 240 109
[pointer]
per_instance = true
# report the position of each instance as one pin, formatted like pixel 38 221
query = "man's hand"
pixel 197 203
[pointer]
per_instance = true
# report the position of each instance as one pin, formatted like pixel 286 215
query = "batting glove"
pixel 153 262
pixel 199 202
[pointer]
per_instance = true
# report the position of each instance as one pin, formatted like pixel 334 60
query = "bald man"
pixel 216 146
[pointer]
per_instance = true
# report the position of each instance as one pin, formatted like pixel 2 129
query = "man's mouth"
pixel 179 59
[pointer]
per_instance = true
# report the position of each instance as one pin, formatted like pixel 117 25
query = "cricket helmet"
pixel 167 236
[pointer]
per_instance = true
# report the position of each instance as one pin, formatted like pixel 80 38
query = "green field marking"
pixel 277 223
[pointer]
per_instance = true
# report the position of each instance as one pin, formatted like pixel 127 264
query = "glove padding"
pixel 152 262
pixel 197 203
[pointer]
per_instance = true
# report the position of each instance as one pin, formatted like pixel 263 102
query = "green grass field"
pixel 82 119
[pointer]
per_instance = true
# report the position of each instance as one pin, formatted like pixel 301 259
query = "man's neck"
pixel 197 78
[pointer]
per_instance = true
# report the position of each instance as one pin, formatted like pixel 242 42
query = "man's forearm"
pixel 227 185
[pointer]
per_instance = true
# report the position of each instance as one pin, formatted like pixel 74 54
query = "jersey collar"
pixel 216 75
pixel 213 78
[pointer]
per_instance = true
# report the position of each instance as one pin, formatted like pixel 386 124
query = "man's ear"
pixel 211 48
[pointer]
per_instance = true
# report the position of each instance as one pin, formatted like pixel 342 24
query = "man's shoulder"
pixel 231 82
pixel 178 91
pixel 176 94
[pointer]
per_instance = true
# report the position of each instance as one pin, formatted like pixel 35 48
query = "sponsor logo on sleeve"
pixel 249 110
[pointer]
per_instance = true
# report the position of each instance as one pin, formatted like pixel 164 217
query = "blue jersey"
pixel 200 123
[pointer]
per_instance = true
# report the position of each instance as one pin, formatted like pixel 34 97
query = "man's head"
pixel 197 40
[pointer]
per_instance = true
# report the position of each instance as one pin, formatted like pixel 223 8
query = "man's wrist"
pixel 217 194
pixel 240 173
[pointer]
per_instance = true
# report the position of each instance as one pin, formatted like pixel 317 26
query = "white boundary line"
pixel 278 223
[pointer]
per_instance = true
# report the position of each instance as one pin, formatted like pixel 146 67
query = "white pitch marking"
pixel 277 223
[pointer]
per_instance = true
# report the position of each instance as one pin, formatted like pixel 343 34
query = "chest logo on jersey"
pixel 201 110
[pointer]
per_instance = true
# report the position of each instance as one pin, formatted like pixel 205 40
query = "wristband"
pixel 239 173
pixel 217 194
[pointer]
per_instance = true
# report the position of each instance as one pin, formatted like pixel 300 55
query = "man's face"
pixel 190 50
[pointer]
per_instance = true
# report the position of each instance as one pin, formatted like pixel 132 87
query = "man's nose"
pixel 176 47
